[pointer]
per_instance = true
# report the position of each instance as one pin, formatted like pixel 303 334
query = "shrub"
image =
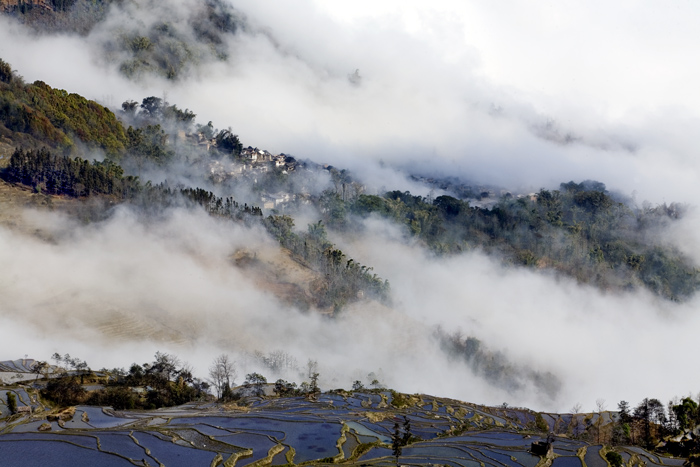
pixel 614 458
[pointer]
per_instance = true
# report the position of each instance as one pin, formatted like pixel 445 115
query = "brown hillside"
pixel 9 5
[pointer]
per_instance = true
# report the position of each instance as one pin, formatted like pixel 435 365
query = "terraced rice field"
pixel 347 429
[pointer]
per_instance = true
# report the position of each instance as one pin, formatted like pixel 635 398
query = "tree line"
pixel 346 279
pixel 495 367
pixel 61 175
pixel 651 424
pixel 164 382
pixel 581 230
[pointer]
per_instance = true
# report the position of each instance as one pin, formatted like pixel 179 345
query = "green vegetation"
pixel 613 458
pixel 580 230
pixel 346 278
pixel 650 425
pixel 11 402
pixel 284 388
pixel 494 366
pixel 57 118
pixel 148 143
pixel 686 413
pixel 5 72
pixel 61 175
pixel 163 383
pixel 255 382
pixel 163 46
pixel 37 116
pixel 540 424
pixel 217 206
pixel 166 48
pixel 62 5
pixel 228 143
pixel 400 401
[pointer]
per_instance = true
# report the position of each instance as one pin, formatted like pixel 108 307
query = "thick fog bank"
pixel 610 345
pixel 116 292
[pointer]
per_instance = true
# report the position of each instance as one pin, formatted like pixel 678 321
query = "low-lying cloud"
pixel 118 291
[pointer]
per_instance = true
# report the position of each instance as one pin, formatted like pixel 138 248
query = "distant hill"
pixel 146 42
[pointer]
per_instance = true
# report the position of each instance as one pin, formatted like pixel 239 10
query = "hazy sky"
pixel 520 94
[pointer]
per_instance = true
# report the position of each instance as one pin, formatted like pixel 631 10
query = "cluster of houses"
pixel 261 156
pixel 252 161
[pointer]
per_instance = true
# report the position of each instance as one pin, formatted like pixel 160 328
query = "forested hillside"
pixel 36 114
pixel 581 230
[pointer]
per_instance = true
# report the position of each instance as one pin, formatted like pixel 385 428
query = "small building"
pixel 279 161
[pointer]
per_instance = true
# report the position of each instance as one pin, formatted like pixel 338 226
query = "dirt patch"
pixel 277 272
pixel 122 325
pixel 14 199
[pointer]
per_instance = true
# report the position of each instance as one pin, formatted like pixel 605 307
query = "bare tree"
pixel 279 360
pixel 312 367
pixel 41 368
pixel 222 374
pixel 576 421
pixel 600 405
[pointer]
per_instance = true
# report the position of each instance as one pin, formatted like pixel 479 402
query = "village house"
pixel 203 141
pixel 256 155
pixel 273 200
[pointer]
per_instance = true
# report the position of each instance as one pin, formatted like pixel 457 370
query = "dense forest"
pixel 581 230
pixel 61 175
pixel 347 279
pixel 56 118
pixel 495 367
